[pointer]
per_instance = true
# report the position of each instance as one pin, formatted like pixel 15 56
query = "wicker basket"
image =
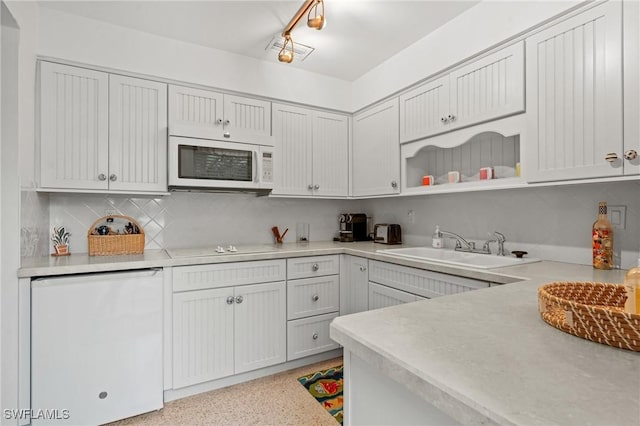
pixel 593 311
pixel 109 245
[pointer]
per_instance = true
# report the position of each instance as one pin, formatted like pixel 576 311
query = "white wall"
pixel 552 223
pixel 477 29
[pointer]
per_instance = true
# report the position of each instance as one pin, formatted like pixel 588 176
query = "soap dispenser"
pixel 436 241
pixel 632 285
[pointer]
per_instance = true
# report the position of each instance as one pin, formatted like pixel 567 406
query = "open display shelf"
pixel 495 146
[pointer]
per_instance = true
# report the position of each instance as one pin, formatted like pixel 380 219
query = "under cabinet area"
pixel 375 151
pixel 227 319
pixel 312 152
pixel 207 114
pixel 574 97
pixel 483 90
pixel 313 301
pixel 101 132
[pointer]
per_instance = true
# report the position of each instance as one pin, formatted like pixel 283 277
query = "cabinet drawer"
pixel 417 281
pixel 309 336
pixel 313 266
pixel 313 296
pixel 198 277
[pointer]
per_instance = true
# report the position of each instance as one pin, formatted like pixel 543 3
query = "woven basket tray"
pixel 593 311
pixel 110 245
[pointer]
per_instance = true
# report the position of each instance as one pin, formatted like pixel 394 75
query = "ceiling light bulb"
pixel 317 21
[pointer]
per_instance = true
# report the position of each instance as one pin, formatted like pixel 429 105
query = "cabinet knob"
pixel 102 395
pixel 444 120
pixel 113 177
pixel 315 297
pixel 230 300
pixel 219 121
pixel 632 154
pixel 239 299
pixel 227 122
pixel 611 157
pixel 316 186
pixel 363 268
pixel 315 267
pixel 102 176
pixel 310 187
pixel 451 117
pixel 227 134
pixel 315 336
pixel 394 184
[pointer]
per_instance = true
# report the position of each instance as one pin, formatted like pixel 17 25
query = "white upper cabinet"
pixel 486 89
pixel 207 114
pixel 137 134
pixel 311 152
pixel 375 162
pixel 74 128
pixel 574 97
pixel 101 132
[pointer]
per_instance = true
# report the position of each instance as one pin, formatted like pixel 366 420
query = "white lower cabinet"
pixel 226 330
pixel 354 287
pixel 381 296
pixel 309 336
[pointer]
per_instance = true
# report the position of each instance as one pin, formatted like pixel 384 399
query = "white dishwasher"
pixel 96 347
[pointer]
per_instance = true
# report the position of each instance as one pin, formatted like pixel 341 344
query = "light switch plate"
pixel 618 216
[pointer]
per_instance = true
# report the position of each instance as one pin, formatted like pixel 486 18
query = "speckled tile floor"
pixel 273 400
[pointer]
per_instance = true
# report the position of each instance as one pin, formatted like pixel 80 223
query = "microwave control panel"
pixel 267 167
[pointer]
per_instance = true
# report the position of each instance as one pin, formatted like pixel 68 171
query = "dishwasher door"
pixel 96 347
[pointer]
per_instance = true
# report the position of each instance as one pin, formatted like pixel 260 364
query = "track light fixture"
pixel 316 21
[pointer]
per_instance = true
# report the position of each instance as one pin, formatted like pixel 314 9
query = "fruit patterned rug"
pixel 326 387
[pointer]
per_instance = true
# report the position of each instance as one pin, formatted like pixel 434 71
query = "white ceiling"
pixel 359 34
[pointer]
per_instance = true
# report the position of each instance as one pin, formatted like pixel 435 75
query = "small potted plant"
pixel 60 238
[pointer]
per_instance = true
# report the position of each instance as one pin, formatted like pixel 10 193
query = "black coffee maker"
pixel 353 227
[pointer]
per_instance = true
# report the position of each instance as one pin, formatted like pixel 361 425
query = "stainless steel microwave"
pixel 219 165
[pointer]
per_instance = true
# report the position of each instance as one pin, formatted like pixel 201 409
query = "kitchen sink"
pixel 451 257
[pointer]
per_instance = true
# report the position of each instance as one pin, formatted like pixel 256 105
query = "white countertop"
pixel 486 357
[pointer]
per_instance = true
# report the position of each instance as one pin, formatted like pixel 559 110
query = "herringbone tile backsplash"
pixel 181 219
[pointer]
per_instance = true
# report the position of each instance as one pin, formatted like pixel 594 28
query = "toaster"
pixel 387 233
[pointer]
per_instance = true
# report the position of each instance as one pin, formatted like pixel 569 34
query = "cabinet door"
pixel 489 88
pixel 424 110
pixel 195 113
pixel 574 97
pixel 381 296
pixel 202 336
pixel 330 154
pixel 260 326
pixel 631 84
pixel 292 136
pixel 137 134
pixel 74 132
pixel 354 289
pixel 376 151
pixel 247 120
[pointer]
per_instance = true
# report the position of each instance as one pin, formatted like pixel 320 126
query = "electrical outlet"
pixel 110 212
pixel 412 216
pixel 618 216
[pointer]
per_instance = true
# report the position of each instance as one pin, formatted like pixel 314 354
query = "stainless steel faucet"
pixel 462 244
pixel 500 239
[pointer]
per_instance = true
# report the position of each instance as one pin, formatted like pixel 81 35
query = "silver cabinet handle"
pixel 315 267
pixel 451 117
pixel 310 187
pixel 239 299
pixel 394 184
pixel 102 176
pixel 113 178
pixel 316 186
pixel 230 300
pixel 102 395
pixel 315 297
pixel 227 135
pixel 219 121
pixel 363 268
pixel 444 120
pixel 227 122
pixel 315 336
pixel 611 157
pixel 632 154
